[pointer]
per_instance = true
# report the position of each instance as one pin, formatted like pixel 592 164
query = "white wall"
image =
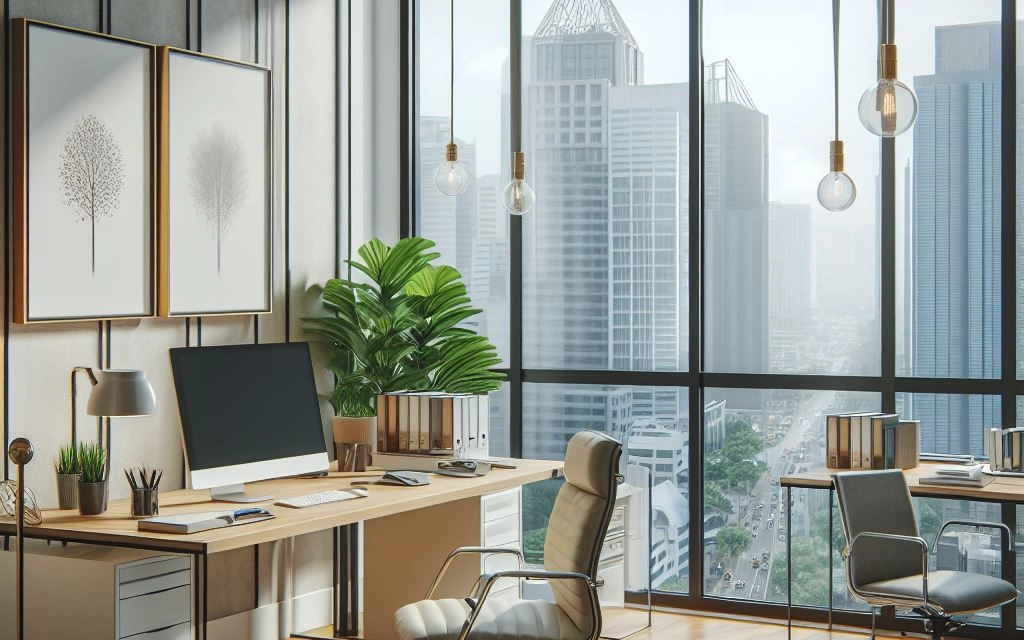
pixel 299 40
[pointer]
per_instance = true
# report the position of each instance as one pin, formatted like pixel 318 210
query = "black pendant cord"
pixel 835 63
pixel 451 84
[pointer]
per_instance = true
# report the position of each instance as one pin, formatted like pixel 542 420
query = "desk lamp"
pixel 116 393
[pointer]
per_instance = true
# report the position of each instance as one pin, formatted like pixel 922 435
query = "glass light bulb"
pixel 836 191
pixel 517 198
pixel 887 108
pixel 451 178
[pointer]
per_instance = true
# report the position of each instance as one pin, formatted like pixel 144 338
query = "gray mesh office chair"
pixel 887 560
pixel 572 546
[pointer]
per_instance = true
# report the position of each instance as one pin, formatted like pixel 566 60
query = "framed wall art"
pixel 215 211
pixel 83 139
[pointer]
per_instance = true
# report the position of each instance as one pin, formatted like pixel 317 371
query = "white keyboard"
pixel 323 497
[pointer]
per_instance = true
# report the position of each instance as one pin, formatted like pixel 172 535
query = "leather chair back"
pixel 877 501
pixel 579 520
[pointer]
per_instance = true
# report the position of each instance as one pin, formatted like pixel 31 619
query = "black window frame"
pixel 888 384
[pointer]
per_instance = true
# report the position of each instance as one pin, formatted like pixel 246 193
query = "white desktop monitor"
pixel 248 413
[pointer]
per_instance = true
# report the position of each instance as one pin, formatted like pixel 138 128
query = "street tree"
pixel 732 541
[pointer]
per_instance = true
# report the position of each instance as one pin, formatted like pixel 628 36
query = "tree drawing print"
pixel 217 178
pixel 91 172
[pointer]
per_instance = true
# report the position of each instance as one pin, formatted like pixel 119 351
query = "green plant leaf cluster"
pixel 400 329
pixel 67 460
pixel 93 462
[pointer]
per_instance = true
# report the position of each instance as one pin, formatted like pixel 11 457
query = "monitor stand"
pixel 235 493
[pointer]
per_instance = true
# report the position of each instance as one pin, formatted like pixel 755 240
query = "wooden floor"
pixel 674 626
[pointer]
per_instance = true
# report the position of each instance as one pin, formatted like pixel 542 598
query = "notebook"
pixel 204 521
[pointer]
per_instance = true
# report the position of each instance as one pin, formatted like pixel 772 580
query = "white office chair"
pixel 572 546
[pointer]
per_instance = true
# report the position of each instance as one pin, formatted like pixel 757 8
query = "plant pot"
pixel 354 430
pixel 92 498
pixel 67 490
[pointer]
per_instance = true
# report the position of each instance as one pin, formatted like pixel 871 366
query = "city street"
pixel 798 448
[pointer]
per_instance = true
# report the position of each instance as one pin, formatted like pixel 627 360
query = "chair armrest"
pixel 980 525
pixel 535 574
pixel 919 541
pixel 477 550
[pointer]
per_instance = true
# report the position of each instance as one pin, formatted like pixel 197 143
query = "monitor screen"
pixel 248 404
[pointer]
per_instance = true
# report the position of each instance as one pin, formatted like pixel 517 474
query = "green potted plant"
pixel 399 330
pixel 92 486
pixel 68 472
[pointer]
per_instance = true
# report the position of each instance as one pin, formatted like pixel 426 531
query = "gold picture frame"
pixel 177 213
pixel 94 120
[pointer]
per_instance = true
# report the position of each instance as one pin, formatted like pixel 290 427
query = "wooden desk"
pixel 436 517
pixel 1002 489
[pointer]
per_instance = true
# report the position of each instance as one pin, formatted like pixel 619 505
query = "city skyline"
pixel 787 289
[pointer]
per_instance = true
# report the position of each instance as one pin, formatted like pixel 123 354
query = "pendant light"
pixel 888 107
pixel 518 196
pixel 836 191
pixel 451 177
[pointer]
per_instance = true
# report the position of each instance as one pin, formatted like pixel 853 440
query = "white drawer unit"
pixel 501 526
pixel 100 593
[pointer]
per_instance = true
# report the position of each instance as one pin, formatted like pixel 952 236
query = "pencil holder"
pixel 145 503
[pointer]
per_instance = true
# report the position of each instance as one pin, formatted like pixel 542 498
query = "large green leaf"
pixel 404 328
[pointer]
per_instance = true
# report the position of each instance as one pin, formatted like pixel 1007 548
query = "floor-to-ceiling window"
pixel 716 366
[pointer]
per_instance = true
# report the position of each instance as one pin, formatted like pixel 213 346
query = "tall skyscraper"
pixel 648 170
pixel 579 51
pixel 735 231
pixel 955 231
pixel 790 266
pixel 790 270
pixel 606 269
pixel 605 278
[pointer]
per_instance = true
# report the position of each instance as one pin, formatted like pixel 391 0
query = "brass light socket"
pixel 451 153
pixel 835 155
pixel 888 61
pixel 518 165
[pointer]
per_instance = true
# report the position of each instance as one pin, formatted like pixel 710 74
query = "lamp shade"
pixel 121 393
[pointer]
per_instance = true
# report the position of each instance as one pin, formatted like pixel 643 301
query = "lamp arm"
pixel 74 401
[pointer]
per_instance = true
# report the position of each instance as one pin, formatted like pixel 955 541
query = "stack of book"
pixel 872 441
pixel 428 422
pixel 958 476
pixel 1005 449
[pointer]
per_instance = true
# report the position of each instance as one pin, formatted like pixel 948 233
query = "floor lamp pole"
pixel 20 452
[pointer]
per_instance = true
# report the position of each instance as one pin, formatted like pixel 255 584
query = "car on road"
pixel 740 584
pixel 771 522
pixel 782 537
pixel 755 562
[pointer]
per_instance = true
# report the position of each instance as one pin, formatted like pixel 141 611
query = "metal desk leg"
pixel 346 581
pixel 830 499
pixel 199 589
pixel 789 564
